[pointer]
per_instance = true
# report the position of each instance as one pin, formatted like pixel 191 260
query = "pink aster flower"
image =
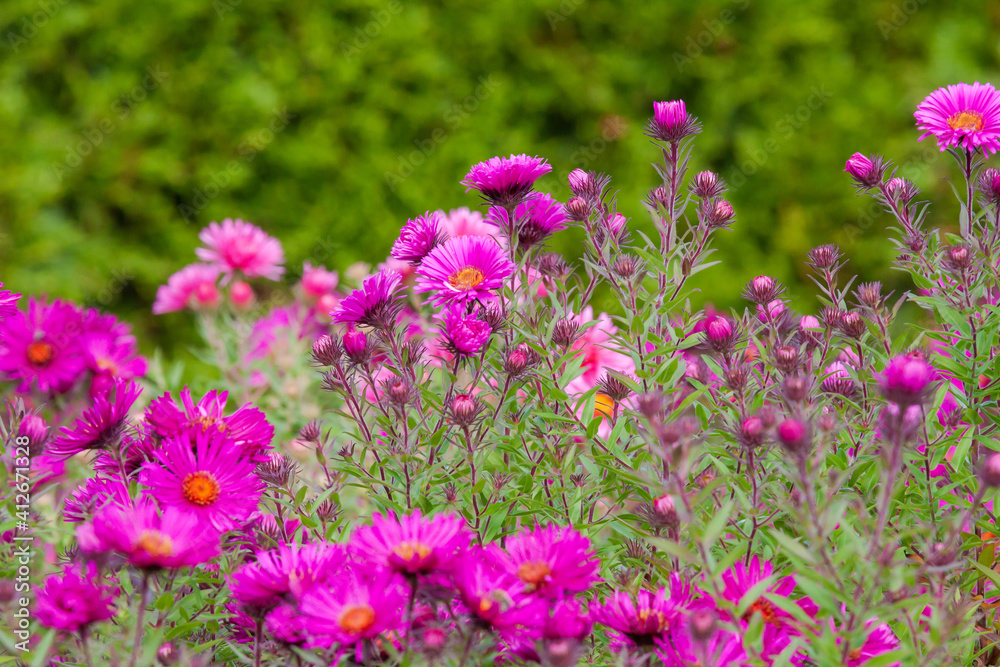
pixel 287 572
pixel 317 281
pixel 464 335
pixel 908 379
pixel 110 349
pixel 418 237
pixel 464 269
pixel 41 347
pixel 71 602
pixel 465 222
pixel 287 626
pixel 92 495
pixel 553 561
pixel 147 539
pixel 8 302
pixel 535 219
pixel 962 115
pixel 645 618
pixel 867 172
pixel 101 426
pixel 375 304
pixel 879 641
pixel 413 543
pixel 740 579
pixel 506 180
pixel 352 607
pixel 211 481
pixel 194 286
pixel 671 122
pixel 681 649
pixel 240 246
pixel 494 596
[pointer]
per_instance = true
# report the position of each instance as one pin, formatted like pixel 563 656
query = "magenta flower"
pixel 908 380
pixel 8 302
pixel 740 579
pixel 864 171
pixel 375 304
pixel 412 544
pixel 465 222
pixel 418 237
pixel 838 379
pixel 464 269
pixel 93 495
pixel 34 428
pixel 879 641
pixel 147 539
pixel 110 350
pixel 194 286
pixel 506 180
pixel 535 219
pixel 41 347
pixel 101 426
pixel 287 625
pixel 962 115
pixel 317 281
pixel 553 561
pixel 289 571
pixel 464 335
pixel 240 246
pixel 208 478
pixel 681 649
pixel 71 602
pixel 642 620
pixel 351 608
pixel 671 122
pixel 494 596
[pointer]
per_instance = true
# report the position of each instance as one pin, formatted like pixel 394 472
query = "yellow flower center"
pixel 467 278
pixel 966 120
pixel 206 422
pixel 533 573
pixel 659 617
pixel 107 365
pixel 356 618
pixel 604 406
pixel 155 543
pixel 201 488
pixel 40 353
pixel 411 550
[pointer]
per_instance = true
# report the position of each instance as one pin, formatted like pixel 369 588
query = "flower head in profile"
pixel 208 478
pixel 506 180
pixel 74 600
pixel 375 304
pixel 535 219
pixel 464 269
pixel 8 302
pixel 965 115
pixel 101 426
pixel 642 619
pixel 195 286
pixel 866 171
pixel 412 544
pixel 418 237
pixel 671 122
pixel 147 539
pixel 317 281
pixel 41 347
pixel 235 245
pixel 287 572
pixel 553 561
pixel 464 335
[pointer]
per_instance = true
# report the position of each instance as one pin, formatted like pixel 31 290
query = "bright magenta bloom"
pixel 907 379
pixel 464 269
pixel 493 595
pixel 534 219
pixel 101 426
pixel 317 281
pixel 465 222
pixel 375 304
pixel 418 237
pixel 966 115
pixel 506 180
pixel 642 620
pixel 671 122
pixel 412 544
pixel 738 580
pixel 147 539
pixel 880 640
pixel 41 347
pixel 287 626
pixel 74 600
pixel 290 570
pixel 92 495
pixel 240 246
pixel 553 561
pixel 194 286
pixel 8 302
pixel 680 649
pixel 464 336
pixel 208 478
pixel 110 350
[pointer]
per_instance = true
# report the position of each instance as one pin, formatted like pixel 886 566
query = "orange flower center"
pixel 533 573
pixel 40 353
pixel 765 609
pixel 155 543
pixel 659 617
pixel 107 365
pixel 356 618
pixel 604 406
pixel 966 120
pixel 466 279
pixel 206 422
pixel 201 488
pixel 411 550
pixel 854 655
pixel 494 598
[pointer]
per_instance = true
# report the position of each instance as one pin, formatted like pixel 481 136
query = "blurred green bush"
pixel 127 126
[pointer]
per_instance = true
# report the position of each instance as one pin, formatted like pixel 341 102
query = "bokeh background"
pixel 127 126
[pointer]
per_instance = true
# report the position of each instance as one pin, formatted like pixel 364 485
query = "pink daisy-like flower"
pixel 287 626
pixel 418 237
pixel 681 649
pixel 553 561
pixel 101 426
pixel 642 620
pixel 879 641
pixel 194 286
pixel 464 269
pixel 353 607
pixel 71 602
pixel 41 347
pixel 289 571
pixel 212 481
pixel 375 304
pixel 671 122
pixel 317 281
pixel 413 543
pixel 110 349
pixel 91 496
pixel 494 596
pixel 740 579
pixel 962 114
pixel 506 180
pixel 240 246
pixel 464 335
pixel 8 302
pixel 147 539
pixel 465 222
pixel 535 219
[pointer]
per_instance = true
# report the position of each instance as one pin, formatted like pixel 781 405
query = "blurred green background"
pixel 127 126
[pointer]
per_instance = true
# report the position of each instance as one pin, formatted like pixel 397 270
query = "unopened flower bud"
pixel 311 431
pixel 958 258
pixel 990 473
pixel 852 324
pixel 326 351
pixel 565 332
pixel 579 181
pixel 34 428
pixel 866 172
pixel 989 185
pixel 356 345
pixel 718 213
pixel 577 209
pixel 907 380
pixel 465 409
pixel 168 655
pixel 786 359
pixel 838 379
pixel 870 294
pixel 664 513
pixel 703 624
pixel 793 435
pixel 824 256
pixel 707 185
pixel 796 388
pixel 762 289
pixel 241 295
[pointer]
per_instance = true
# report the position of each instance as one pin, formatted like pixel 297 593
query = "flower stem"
pixel 143 595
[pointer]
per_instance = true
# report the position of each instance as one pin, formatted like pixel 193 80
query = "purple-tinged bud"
pixel 902 190
pixel 664 514
pixel 786 359
pixel 827 422
pixel 433 641
pixel 399 391
pixel 796 388
pixel 908 380
pixel 628 266
pixel 669 434
pixel 793 435
pixel 958 258
pixel 659 197
pixel 579 180
pixel 34 428
pixel 809 332
pixel 762 289
pixel 241 295
pixel 752 431
pixel 866 172
pixel 650 405
pixel 671 122
pixel 852 324
pixel 990 472
pixel 356 345
pixel 718 213
pixel 465 409
pixel 577 209
pixel 720 334
pixel 737 377
pixel 311 431
pixel 831 317
pixel 614 388
pixel 989 185
pixel 325 351
pixel 168 655
pixel 870 294
pixel 708 185
pixel 616 225
pixel 824 256
pixel 565 331
pixel 552 264
pixel 772 312
pixel 768 418
pixel 838 379
pixel 703 624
